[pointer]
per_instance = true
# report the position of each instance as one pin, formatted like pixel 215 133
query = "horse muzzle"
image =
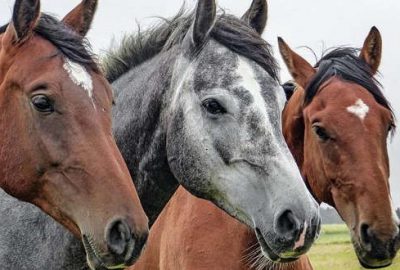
pixel 123 247
pixel 372 252
pixel 290 238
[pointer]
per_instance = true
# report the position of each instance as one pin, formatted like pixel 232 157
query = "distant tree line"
pixel 330 216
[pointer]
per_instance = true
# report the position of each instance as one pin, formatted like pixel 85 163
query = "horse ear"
pixel 256 16
pixel 81 17
pixel 371 52
pixel 298 67
pixel 206 13
pixel 25 17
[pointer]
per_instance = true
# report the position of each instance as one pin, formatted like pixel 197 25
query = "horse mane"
pixel 344 63
pixel 69 43
pixel 229 31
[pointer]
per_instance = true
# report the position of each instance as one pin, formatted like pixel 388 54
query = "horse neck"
pixel 140 131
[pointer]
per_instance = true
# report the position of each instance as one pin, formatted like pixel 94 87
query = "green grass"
pixel 334 251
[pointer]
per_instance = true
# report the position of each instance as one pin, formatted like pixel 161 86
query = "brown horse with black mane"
pixel 336 125
pixel 337 129
pixel 56 145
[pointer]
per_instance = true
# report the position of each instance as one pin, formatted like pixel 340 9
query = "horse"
pixel 175 244
pixel 56 147
pixel 345 120
pixel 198 103
pixel 332 111
pixel 214 123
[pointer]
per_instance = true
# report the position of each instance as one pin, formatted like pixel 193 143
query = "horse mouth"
pixel 268 251
pixel 367 261
pixel 373 263
pixel 94 260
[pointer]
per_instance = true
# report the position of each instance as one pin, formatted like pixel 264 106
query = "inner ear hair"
pixel 25 17
pixel 204 21
pixel 257 15
pixel 81 17
pixel 371 51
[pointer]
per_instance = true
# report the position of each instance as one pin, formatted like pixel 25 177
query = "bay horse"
pixel 56 147
pixel 193 234
pixel 198 103
pixel 344 122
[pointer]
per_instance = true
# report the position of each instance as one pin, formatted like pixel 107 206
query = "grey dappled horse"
pixel 198 103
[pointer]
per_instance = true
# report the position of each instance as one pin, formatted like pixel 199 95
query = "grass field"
pixel 334 251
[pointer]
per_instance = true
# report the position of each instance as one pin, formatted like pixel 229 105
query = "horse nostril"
pixel 365 234
pixel 118 237
pixel 287 225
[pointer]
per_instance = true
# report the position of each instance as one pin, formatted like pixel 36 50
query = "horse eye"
pixel 321 133
pixel 42 104
pixel 213 106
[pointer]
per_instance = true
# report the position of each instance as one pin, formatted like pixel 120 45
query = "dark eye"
pixel 42 104
pixel 213 106
pixel 321 133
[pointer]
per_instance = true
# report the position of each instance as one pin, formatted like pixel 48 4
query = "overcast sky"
pixel 315 23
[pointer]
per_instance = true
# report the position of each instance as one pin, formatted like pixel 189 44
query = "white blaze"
pixel 287 165
pixel 250 83
pixel 360 109
pixel 79 76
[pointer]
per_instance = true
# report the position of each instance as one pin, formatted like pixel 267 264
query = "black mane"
pixel 230 31
pixel 344 63
pixel 69 43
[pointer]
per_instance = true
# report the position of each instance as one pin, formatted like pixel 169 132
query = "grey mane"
pixel 233 33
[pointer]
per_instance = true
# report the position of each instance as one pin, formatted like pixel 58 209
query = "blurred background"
pixel 318 24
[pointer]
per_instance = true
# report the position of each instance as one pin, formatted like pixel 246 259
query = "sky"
pixel 318 24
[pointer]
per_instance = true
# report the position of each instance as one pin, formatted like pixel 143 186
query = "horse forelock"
pixel 345 64
pixel 69 43
pixel 75 51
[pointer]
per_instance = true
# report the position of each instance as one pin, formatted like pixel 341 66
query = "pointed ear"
pixel 206 14
pixel 25 17
pixel 81 17
pixel 371 52
pixel 298 67
pixel 257 15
